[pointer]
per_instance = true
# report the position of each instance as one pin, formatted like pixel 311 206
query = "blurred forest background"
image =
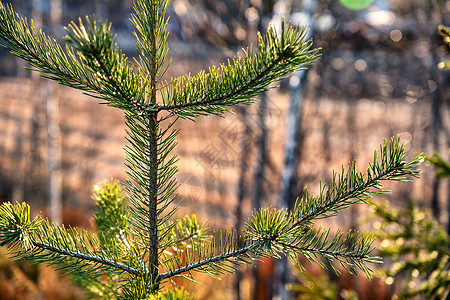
pixel 378 76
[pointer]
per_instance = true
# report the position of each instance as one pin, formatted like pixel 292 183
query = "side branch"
pixel 322 252
pixel 181 240
pixel 94 259
pixel 242 79
pixel 214 259
pixel 116 86
pixel 52 71
pixel 216 100
pixel 351 186
pixel 41 52
pixel 359 190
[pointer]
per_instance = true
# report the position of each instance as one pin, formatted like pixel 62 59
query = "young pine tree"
pixel 137 247
pixel 419 248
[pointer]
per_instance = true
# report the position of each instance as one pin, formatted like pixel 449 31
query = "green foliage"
pixel 290 233
pixel 312 287
pixel 172 295
pixel 419 248
pixel 443 167
pixel 16 226
pixel 356 4
pixel 111 218
pixel 136 246
pixel 445 32
pixel 69 249
pixel 112 230
pixel 241 80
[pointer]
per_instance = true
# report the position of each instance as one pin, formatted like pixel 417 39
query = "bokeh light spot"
pixel 432 85
pixel 360 65
pixel 396 35
pixel 337 63
pixel 294 81
pixel 356 4
pixel 389 280
pixel 411 97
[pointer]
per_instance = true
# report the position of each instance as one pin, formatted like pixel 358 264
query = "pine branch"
pixel 182 233
pixel 271 232
pixel 352 187
pixel 76 252
pixel 352 250
pixel 152 185
pixel 236 93
pixel 142 186
pixel 140 170
pixel 294 228
pixel 206 262
pixel 200 255
pixel 111 220
pixel 109 77
pixel 111 217
pixel 42 52
pixel 442 166
pixel 84 257
pixel 108 66
pixel 243 79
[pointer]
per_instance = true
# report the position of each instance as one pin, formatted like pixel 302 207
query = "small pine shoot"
pixel 137 246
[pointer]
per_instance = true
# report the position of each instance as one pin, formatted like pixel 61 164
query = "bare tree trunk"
pixel 53 132
pixel 291 160
pixel 289 173
pixel 436 125
pixel 448 212
pixel 245 154
pixel 258 180
pixel 259 176
pixel 33 166
pixel 17 118
pixel 253 21
pixel 54 155
pixel 351 128
pixel 293 131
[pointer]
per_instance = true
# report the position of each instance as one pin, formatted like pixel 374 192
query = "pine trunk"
pixel 53 131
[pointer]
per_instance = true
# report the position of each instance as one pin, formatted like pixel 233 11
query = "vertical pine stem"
pixel 153 195
pixel 154 51
pixel 153 159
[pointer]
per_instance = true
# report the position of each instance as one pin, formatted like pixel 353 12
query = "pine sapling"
pixel 137 246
